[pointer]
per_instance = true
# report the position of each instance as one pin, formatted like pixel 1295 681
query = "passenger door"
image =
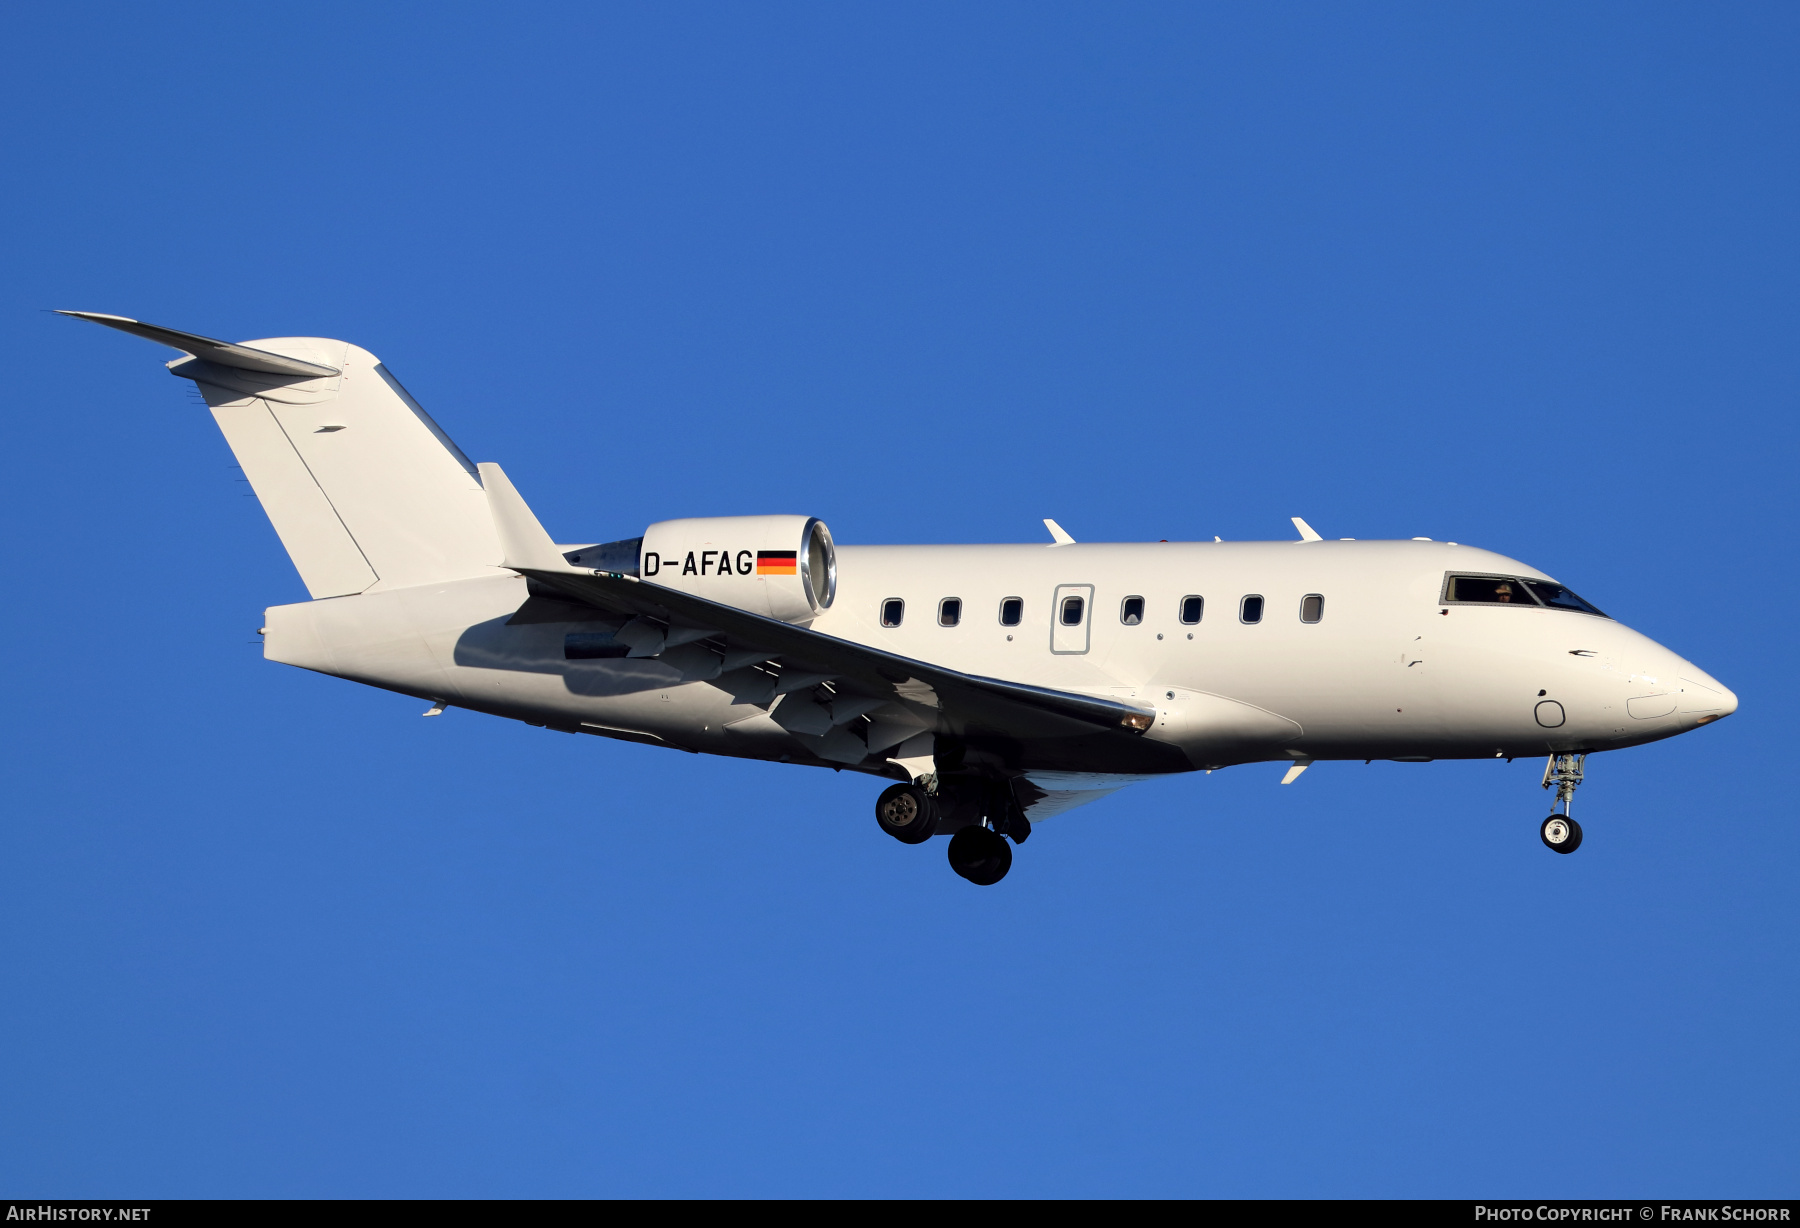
pixel 1071 614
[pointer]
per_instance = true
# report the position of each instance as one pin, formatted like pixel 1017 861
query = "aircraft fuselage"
pixel 1389 669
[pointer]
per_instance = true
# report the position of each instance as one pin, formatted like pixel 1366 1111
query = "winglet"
pixel 219 353
pixel 523 543
pixel 1306 531
pixel 1058 534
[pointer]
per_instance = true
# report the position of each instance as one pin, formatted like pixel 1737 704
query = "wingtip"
pixel 95 316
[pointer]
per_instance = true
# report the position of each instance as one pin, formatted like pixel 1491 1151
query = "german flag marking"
pixel 776 563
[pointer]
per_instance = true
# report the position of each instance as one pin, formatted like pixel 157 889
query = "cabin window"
pixel 1191 609
pixel 1250 610
pixel 1072 610
pixel 1131 611
pixel 1489 590
pixel 892 611
pixel 1012 611
pixel 1558 598
pixel 592 646
pixel 1312 608
pixel 949 611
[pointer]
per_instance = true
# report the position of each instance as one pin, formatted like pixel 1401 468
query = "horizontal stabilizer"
pixel 222 353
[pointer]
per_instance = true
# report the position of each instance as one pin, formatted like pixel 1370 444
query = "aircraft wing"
pixel 968 705
pixel 817 685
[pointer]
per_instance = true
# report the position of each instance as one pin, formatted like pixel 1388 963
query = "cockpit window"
pixel 1559 598
pixel 1495 590
pixel 1511 590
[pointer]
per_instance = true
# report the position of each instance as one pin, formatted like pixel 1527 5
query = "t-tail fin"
pixel 363 488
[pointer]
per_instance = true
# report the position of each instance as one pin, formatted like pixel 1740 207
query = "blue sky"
pixel 1521 276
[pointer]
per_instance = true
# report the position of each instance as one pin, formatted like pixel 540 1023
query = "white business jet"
pixel 996 686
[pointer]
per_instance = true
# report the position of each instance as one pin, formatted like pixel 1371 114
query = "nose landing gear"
pixel 1559 832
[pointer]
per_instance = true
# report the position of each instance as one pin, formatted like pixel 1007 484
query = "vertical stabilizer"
pixel 362 487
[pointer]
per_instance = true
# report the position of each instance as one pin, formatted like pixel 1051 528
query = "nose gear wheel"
pixel 1560 834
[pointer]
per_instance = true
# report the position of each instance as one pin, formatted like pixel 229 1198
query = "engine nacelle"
pixel 781 566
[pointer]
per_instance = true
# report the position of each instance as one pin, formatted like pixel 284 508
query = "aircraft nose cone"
pixel 1707 699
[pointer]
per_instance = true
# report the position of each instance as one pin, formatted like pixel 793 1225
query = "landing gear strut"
pixel 1559 832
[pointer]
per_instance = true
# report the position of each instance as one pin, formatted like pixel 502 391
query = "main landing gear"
pixel 983 815
pixel 907 813
pixel 1559 832
pixel 981 855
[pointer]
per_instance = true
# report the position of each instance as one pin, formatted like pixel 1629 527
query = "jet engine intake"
pixel 781 566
